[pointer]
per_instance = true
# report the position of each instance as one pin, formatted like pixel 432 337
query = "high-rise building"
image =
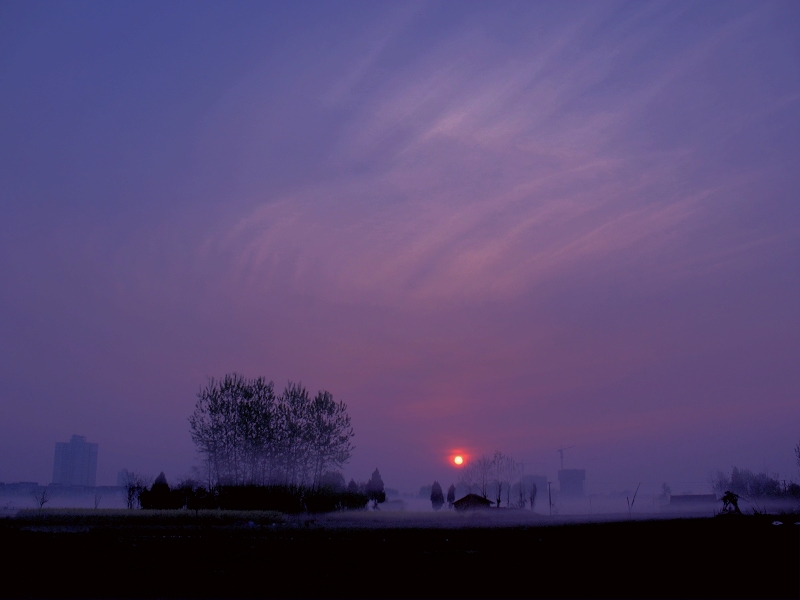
pixel 75 462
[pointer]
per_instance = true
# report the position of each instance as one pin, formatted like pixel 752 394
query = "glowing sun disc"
pixel 458 460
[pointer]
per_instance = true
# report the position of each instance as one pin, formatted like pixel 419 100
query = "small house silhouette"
pixel 472 502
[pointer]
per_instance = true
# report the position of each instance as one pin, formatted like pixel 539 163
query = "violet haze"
pixel 484 226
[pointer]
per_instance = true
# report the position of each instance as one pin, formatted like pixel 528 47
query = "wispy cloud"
pixel 473 222
pixel 489 173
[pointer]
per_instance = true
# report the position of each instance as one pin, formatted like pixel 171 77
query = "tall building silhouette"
pixel 570 482
pixel 75 462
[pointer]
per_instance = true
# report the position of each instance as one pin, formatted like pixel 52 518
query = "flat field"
pixel 213 554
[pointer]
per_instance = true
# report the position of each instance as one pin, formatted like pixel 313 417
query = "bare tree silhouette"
pixel 248 435
pixel 477 475
pixel 42 497
pixel 133 485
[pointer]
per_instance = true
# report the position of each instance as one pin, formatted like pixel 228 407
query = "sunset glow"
pixel 484 227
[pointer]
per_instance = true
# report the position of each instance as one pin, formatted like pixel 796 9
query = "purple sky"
pixel 486 226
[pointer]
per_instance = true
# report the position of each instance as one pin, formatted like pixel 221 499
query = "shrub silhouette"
pixel 374 489
pixel 437 497
pixel 159 496
pixel 282 498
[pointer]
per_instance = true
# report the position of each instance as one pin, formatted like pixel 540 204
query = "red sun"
pixel 457 457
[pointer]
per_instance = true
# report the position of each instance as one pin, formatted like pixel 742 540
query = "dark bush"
pixel 325 500
pixel 354 500
pixel 332 480
pixel 374 489
pixel 287 499
pixel 437 497
pixel 281 498
pixel 159 496
pixel 191 495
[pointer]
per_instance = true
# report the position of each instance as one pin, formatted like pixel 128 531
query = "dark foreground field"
pixel 267 555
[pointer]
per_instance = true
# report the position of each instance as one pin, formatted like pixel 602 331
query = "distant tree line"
pixel 797 453
pixel 746 484
pixel 437 496
pixel 331 495
pixel 248 435
pixel 263 451
pixel 496 475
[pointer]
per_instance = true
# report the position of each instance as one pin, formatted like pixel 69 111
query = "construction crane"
pixel 561 454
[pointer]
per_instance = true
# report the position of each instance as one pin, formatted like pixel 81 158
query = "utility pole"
pixel 549 498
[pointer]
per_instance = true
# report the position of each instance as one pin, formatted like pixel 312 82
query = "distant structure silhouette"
pixel 472 502
pixel 561 454
pixel 75 462
pixel 570 482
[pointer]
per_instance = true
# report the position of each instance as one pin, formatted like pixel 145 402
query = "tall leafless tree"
pixel 504 472
pixel 330 433
pixel 133 485
pixel 248 435
pixel 513 471
pixel 499 462
pixel 477 475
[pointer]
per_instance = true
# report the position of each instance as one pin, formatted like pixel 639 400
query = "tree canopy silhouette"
pixel 248 435
pixel 437 497
pixel 374 489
